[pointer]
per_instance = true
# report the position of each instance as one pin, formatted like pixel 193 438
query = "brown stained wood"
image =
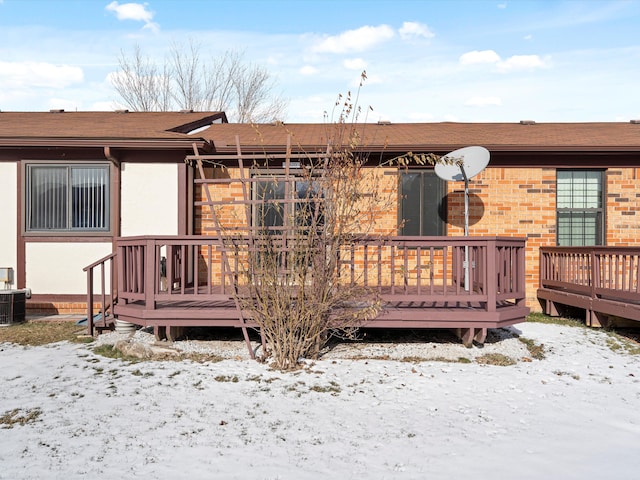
pixel 604 281
pixel 466 336
pixel 160 332
pixel 437 301
pixel 435 297
pixel 174 332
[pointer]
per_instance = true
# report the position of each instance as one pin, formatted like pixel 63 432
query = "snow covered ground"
pixel 573 415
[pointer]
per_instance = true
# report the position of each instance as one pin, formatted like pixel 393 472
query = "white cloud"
pixel 130 11
pixel 411 30
pixel 483 101
pixel 528 37
pixel 502 5
pixel 484 56
pixel 308 70
pixel 355 40
pixel 154 27
pixel 521 62
pixel 355 64
pixel 134 11
pixel 38 74
pixel 513 63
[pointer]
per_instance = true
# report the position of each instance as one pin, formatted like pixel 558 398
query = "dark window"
pixel 422 204
pixel 67 198
pixel 579 203
pixel 270 212
pixel 274 208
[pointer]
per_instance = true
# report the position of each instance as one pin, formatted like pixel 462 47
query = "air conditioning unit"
pixel 12 302
pixel 12 306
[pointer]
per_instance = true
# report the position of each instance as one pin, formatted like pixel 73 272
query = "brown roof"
pixel 436 137
pixel 72 128
pixel 166 129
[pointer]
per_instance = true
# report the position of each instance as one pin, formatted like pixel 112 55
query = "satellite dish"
pixel 472 160
pixel 463 164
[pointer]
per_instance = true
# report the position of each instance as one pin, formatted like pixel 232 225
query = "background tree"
pixel 184 80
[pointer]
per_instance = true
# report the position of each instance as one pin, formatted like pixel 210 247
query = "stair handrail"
pixel 104 307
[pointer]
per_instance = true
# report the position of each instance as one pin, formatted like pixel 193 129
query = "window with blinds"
pixel 67 198
pixel 579 203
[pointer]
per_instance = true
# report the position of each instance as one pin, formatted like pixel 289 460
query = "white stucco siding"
pixel 149 199
pixel 56 268
pixel 8 213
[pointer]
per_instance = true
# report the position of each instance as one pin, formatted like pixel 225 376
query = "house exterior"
pixel 567 184
pixel 125 175
pixel 72 182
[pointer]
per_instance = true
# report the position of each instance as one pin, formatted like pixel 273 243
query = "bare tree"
pixel 253 95
pixel 143 85
pixel 184 80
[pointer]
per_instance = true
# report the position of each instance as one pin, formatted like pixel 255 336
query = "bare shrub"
pixel 305 222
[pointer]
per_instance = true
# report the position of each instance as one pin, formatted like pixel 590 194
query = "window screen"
pixel 67 198
pixel 422 204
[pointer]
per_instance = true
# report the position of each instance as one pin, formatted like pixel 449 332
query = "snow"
pixel 573 415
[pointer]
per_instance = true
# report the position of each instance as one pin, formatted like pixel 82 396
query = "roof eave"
pixel 400 149
pixel 150 144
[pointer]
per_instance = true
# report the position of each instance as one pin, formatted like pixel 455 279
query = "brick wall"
pixel 512 202
pixel 623 201
pixel 522 202
pixel 59 308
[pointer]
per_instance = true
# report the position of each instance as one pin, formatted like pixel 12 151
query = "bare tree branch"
pixel 143 85
pixel 185 81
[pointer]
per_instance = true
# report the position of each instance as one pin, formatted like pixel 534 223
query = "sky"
pixel 425 61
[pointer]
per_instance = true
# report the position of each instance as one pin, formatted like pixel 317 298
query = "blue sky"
pixel 468 61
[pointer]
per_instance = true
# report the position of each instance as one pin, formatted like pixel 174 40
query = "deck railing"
pixel 605 281
pixel 107 291
pixel 401 269
pixel 595 271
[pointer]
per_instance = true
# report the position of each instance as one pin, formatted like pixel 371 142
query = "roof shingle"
pixel 436 136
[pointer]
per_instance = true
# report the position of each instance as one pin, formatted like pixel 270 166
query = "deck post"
pixel 148 274
pixel 491 276
pixel 469 335
pixel 520 274
pixel 103 306
pixel 595 273
pixel 90 301
pixel 121 272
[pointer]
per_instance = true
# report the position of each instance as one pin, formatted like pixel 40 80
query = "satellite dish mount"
pixel 463 164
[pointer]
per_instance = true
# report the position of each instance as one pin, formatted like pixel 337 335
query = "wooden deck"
pixel 173 282
pixel 604 281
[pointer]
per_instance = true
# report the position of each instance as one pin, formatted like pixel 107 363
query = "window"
pixel 422 204
pixel 301 207
pixel 62 198
pixel 579 203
